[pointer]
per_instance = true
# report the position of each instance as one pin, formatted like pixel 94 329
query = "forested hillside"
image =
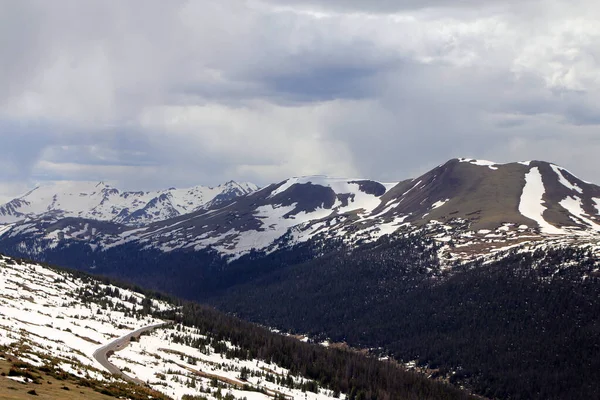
pixel 524 326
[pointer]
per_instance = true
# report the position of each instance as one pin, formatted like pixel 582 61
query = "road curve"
pixel 101 355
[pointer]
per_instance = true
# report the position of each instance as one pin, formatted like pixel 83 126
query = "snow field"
pixel 42 309
pixel 45 314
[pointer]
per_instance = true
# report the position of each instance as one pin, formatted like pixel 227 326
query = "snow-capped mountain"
pixel 474 204
pixel 99 201
pixel 529 197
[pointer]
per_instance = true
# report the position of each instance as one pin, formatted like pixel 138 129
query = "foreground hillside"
pixel 57 330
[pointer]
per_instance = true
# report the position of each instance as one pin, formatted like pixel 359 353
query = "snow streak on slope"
pixel 531 204
pixel 439 203
pixel 563 180
pixel 578 214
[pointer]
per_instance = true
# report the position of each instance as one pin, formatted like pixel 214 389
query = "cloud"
pixel 386 6
pixel 156 94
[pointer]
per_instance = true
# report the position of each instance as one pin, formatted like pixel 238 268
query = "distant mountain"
pixel 99 201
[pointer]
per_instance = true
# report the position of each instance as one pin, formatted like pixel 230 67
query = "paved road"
pixel 101 355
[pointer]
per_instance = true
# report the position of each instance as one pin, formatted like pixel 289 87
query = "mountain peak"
pixel 537 194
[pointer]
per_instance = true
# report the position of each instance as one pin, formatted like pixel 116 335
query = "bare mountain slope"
pixel 534 193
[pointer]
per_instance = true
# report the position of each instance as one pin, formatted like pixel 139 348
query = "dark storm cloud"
pixel 323 83
pixel 581 109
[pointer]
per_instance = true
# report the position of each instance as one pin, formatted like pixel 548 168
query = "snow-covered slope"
pixel 56 322
pixel 99 201
pixel 294 210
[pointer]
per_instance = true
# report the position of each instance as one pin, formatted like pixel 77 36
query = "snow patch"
pixel 439 203
pixel 5 228
pixel 408 191
pixel 483 163
pixel 20 379
pixel 596 203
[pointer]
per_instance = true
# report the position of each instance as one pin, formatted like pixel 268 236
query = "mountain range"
pixel 478 205
pixel 99 201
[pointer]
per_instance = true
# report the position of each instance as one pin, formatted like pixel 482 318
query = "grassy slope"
pixel 49 387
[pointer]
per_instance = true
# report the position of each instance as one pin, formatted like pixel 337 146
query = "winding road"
pixel 101 355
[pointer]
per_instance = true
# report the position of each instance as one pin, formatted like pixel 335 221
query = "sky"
pixel 153 94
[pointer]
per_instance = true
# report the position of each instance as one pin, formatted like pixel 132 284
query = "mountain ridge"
pixel 98 200
pixel 476 205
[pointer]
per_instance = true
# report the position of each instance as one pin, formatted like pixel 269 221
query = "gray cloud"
pixel 155 94
pixel 387 6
